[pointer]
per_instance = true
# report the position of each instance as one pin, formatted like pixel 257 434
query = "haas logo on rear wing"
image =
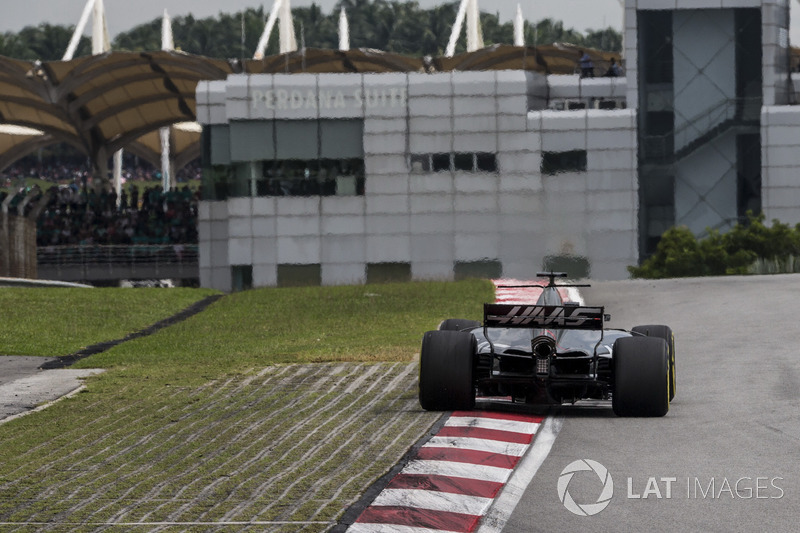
pixel 550 316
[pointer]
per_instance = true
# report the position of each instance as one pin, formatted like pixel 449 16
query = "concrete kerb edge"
pixel 354 511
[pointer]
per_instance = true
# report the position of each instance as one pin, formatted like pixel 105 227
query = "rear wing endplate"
pixel 543 316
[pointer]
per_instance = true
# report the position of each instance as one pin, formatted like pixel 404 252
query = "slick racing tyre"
pixel 445 371
pixel 641 377
pixel 458 324
pixel 663 332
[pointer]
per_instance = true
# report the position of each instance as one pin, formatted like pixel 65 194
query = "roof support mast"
pixel 519 28
pixel 76 35
pixel 281 10
pixel 167 43
pixel 344 31
pixel 100 45
pixel 467 9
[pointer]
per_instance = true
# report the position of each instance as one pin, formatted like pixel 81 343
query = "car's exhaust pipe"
pixel 543 346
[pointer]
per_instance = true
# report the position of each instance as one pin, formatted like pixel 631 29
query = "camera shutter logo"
pixel 587 509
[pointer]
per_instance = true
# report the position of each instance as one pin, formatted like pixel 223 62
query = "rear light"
pixel 543 366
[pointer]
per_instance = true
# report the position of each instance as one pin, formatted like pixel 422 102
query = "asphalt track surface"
pixel 24 386
pixel 735 418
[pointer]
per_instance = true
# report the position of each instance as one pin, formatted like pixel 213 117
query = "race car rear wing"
pixel 543 316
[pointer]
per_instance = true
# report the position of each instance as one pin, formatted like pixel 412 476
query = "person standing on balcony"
pixel 614 70
pixel 586 65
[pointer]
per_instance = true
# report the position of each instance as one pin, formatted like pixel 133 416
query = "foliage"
pixel 399 27
pixel 681 254
pixel 45 42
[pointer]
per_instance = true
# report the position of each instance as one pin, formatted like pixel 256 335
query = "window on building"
pixel 420 163
pixel 486 268
pixel 291 275
pixel 575 266
pixel 388 272
pixel 560 162
pixel 440 162
pixel 460 161
pixel 485 162
pixel 283 158
pixel 241 277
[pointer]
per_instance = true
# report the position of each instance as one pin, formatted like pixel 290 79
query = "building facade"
pixel 354 178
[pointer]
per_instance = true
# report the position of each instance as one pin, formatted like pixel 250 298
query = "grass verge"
pixel 257 328
pixel 60 321
pixel 207 421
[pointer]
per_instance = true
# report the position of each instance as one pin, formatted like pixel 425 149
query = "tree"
pixel 44 42
pixel 390 25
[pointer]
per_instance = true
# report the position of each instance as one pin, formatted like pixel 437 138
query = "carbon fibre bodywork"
pixel 553 351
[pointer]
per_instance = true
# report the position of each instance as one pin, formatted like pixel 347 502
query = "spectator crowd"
pixel 73 216
pixel 76 213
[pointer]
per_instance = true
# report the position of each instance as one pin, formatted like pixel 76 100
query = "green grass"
pixel 60 321
pixel 211 402
pixel 257 328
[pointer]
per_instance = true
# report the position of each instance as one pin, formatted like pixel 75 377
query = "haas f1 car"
pixel 550 352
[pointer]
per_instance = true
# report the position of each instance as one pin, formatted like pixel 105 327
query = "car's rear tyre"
pixel 641 377
pixel 445 371
pixel 458 324
pixel 663 332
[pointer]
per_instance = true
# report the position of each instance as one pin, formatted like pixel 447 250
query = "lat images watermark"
pixel 665 487
pixel 587 509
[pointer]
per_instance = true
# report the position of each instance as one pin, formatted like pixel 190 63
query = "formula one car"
pixel 550 352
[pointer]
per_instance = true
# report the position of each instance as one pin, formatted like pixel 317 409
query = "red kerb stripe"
pixel 483 433
pixel 409 516
pixel 450 484
pixel 475 457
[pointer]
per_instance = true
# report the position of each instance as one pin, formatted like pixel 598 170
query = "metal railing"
pixel 720 116
pixel 109 262
pixel 129 254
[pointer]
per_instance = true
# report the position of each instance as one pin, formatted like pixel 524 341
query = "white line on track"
pixel 512 492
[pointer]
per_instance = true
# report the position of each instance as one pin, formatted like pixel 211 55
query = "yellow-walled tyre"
pixel 641 377
pixel 663 332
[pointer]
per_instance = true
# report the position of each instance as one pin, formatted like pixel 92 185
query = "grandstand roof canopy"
pixel 106 102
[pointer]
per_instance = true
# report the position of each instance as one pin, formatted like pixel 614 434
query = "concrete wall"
pixel 780 175
pixel 433 220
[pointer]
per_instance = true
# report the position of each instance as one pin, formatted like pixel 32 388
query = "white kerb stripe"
pixel 482 445
pixel 463 470
pixel 529 428
pixel 386 528
pixel 433 500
